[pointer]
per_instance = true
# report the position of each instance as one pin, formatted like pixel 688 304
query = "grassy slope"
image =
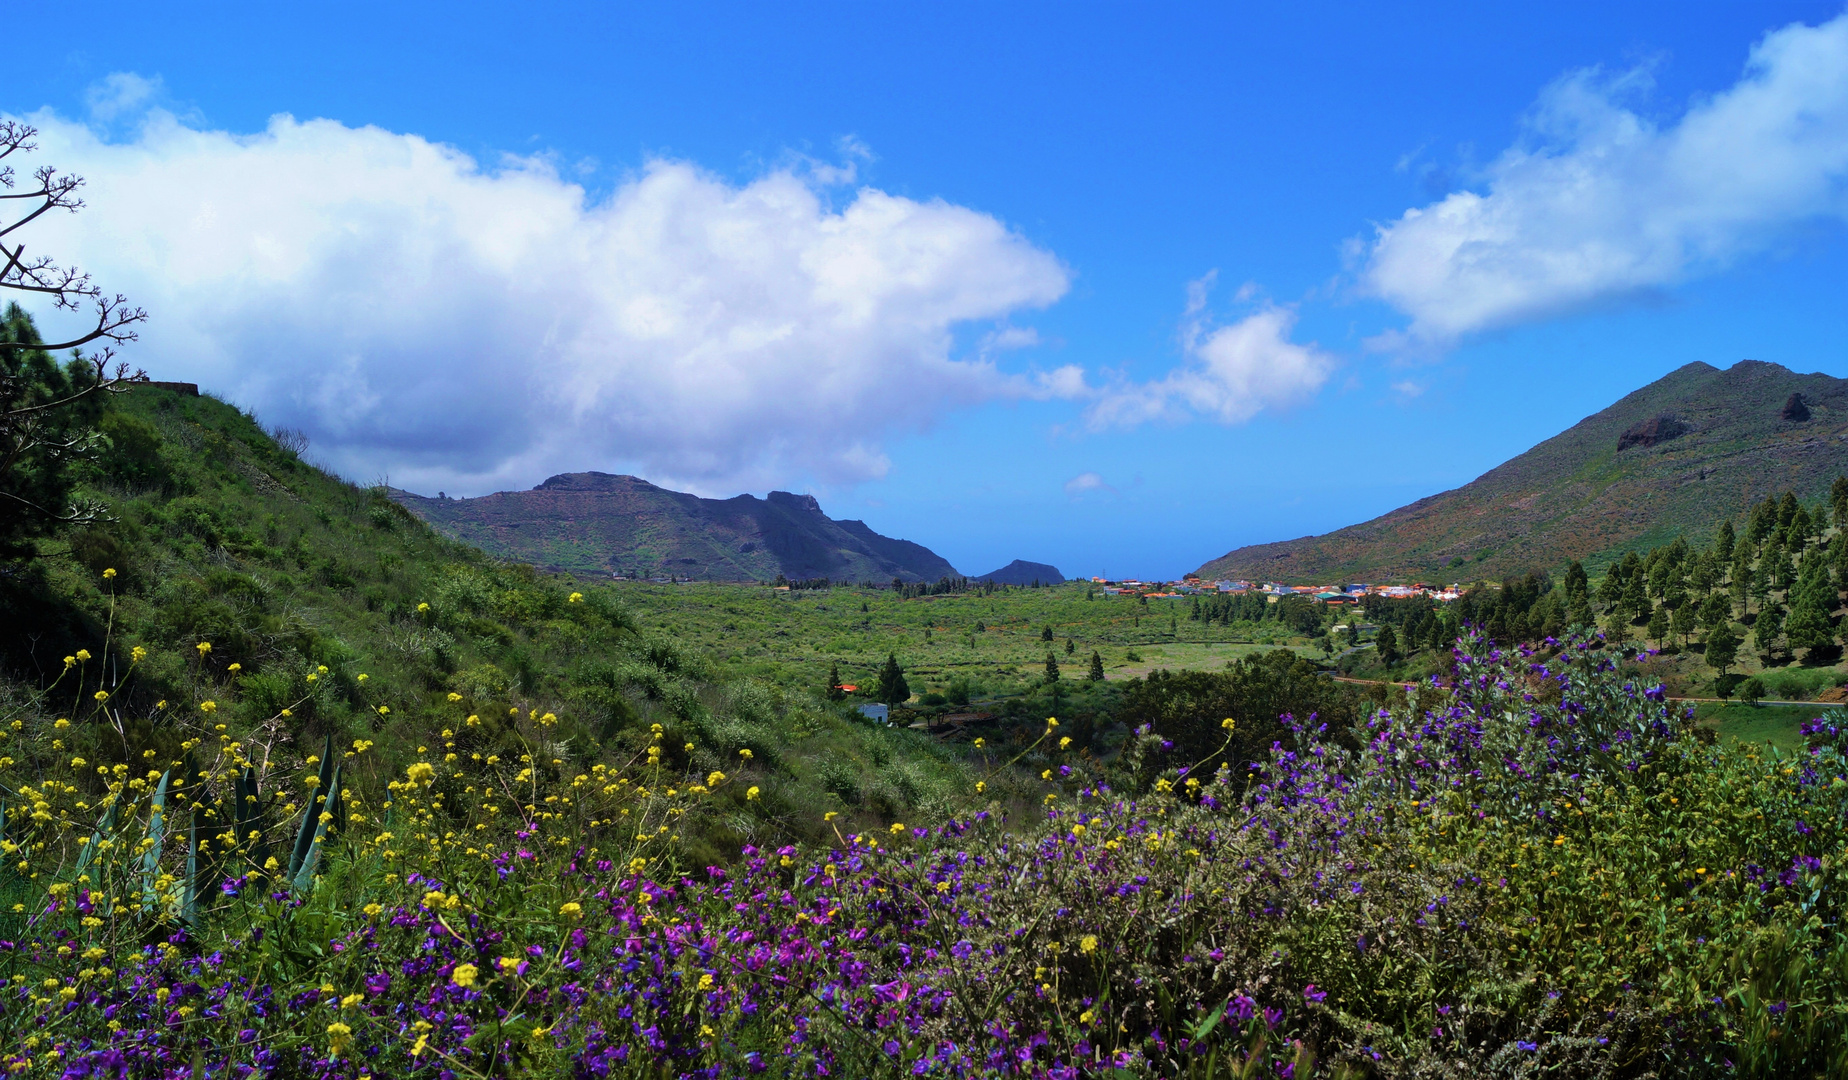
pixel 220 535
pixel 1576 496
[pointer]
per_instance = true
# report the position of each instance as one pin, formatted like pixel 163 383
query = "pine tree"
pixel 1658 625
pixel 1635 597
pixel 1388 643
pixel 1610 590
pixel 1787 508
pixel 1723 547
pixel 1767 628
pixel 1070 646
pixel 835 693
pixel 893 689
pixel 1808 627
pixel 1715 611
pixel 1577 584
pixel 1838 500
pixel 1052 668
pixel 1097 666
pixel 1046 634
pixel 1722 647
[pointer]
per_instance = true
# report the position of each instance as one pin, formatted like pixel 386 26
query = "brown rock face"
pixel 1794 410
pixel 1656 429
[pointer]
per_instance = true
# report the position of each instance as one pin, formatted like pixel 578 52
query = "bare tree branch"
pixel 29 427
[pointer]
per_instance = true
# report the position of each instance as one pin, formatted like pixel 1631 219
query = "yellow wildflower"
pixel 464 974
pixel 571 910
pixel 109 573
pixel 1088 943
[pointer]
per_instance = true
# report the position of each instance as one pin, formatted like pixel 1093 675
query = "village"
pixel 1352 593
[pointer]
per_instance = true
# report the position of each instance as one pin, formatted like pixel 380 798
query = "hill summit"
pixel 1675 457
pixel 1022 572
pixel 601 523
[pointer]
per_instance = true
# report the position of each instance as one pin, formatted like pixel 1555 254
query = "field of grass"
pixel 1772 723
pixel 991 643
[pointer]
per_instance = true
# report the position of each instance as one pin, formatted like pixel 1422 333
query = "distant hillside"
pixel 1022 572
pixel 1678 456
pixel 598 523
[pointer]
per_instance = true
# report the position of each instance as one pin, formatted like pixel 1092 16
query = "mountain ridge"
pixel 609 523
pixel 1671 458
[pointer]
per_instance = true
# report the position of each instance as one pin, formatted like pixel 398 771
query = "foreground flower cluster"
pixel 1537 869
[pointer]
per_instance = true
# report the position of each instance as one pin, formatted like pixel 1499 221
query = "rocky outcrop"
pixel 1794 410
pixel 1653 431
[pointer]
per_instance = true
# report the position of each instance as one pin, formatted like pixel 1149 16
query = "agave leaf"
pixel 322 822
pixel 199 850
pixel 105 828
pixel 250 819
pixel 304 838
pixel 157 832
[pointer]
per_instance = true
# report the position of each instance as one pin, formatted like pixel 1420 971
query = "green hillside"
pixel 217 534
pixel 1677 456
pixel 602 524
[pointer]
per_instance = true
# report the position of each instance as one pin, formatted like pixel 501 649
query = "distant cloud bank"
pixel 1600 203
pixel 467 326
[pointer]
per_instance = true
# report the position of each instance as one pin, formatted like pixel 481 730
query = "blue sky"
pixel 1114 288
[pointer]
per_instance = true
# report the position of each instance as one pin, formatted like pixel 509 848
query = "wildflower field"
pixel 1536 869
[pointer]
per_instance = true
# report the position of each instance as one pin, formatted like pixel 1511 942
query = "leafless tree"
pixel 29 412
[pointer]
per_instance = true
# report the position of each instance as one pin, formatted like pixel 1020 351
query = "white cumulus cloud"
pixel 1600 202
pixel 467 326
pixel 1088 481
pixel 1230 374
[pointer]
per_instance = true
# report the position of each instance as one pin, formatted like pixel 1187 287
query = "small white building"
pixel 880 713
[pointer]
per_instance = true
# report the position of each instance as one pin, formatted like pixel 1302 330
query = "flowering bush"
pixel 1535 870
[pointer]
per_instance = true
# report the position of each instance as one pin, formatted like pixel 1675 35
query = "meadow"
pixel 993 643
